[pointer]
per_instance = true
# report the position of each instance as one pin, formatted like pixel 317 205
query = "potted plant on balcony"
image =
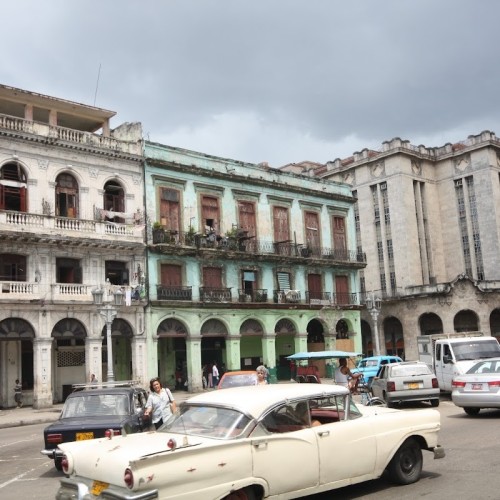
pixel 158 232
pixel 190 236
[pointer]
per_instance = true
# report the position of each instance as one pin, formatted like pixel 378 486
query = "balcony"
pixel 174 292
pixel 211 294
pixel 249 248
pixel 102 233
pixel 319 298
pixel 252 296
pixel 286 296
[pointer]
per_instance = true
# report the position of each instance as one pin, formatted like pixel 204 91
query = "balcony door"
pixel 342 290
pixel 169 209
pixel 171 275
pixel 314 286
pixel 212 277
pixel 312 230
pixel 66 196
pixel 339 237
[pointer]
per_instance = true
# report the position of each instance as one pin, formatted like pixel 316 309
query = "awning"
pixel 323 355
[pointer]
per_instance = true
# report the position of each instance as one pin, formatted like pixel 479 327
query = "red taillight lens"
pixel 65 464
pixel 457 383
pixel 128 477
pixel 391 386
pixel 54 438
pixel 435 384
pixel 494 383
pixel 172 444
pixel 112 432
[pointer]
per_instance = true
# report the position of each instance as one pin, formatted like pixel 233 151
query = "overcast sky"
pixel 266 80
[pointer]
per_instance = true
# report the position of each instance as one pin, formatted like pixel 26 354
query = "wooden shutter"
pixel 210 212
pixel 212 277
pixel 312 229
pixel 246 215
pixel 283 281
pixel 171 275
pixel 342 289
pixel 169 209
pixel 281 224
pixel 314 286
pixel 339 234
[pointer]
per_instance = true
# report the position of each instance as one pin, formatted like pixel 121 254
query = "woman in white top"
pixel 160 403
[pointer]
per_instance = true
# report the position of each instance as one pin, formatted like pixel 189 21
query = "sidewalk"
pixel 15 417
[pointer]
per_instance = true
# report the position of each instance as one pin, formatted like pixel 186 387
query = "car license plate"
pixel 413 385
pixel 98 487
pixel 477 387
pixel 82 436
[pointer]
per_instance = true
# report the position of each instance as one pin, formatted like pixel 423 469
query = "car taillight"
pixel 112 432
pixel 391 386
pixel 67 464
pixel 457 383
pixel 54 438
pixel 128 477
pixel 435 384
pixel 494 383
pixel 172 444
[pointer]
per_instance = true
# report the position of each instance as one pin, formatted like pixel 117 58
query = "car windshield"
pixel 410 370
pixel 492 366
pixel 473 349
pixel 208 421
pixel 96 405
pixel 365 363
pixel 238 380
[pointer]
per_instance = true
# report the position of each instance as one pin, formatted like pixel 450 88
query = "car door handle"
pixel 323 433
pixel 259 444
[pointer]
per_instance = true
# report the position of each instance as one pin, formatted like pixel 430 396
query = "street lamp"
pixel 374 304
pixel 108 312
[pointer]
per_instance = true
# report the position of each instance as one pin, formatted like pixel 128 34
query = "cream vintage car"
pixel 272 441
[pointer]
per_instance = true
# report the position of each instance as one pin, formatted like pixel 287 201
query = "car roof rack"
pixel 105 385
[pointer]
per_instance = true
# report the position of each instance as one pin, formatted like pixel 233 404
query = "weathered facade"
pixel 246 265
pixel 71 221
pixel 429 222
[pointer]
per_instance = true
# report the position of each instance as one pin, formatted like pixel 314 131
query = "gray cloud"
pixel 275 80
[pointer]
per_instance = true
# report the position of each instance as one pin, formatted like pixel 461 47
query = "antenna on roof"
pixel 97 83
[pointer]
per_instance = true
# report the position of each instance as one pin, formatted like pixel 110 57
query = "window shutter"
pixel 284 281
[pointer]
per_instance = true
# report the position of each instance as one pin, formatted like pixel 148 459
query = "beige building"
pixel 71 221
pixel 429 222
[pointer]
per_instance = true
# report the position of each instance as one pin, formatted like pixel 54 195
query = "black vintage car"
pixel 94 411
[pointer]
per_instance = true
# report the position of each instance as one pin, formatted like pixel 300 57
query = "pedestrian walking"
pixel 18 394
pixel 215 375
pixel 160 404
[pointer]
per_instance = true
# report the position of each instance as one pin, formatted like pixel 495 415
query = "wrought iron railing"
pixel 318 298
pixel 259 295
pixel 164 292
pixel 210 294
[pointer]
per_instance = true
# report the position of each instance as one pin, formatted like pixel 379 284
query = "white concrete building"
pixel 71 220
pixel 429 222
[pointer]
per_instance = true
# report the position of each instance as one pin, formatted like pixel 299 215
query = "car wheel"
pixel 471 411
pixel 243 494
pixel 435 402
pixel 58 463
pixel 406 465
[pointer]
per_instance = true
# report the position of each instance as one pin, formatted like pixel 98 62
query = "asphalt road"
pixel 469 470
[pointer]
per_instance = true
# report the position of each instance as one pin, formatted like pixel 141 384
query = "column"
pixel 233 353
pixel 269 355
pixel 42 368
pixel 93 358
pixel 193 358
pixel 139 356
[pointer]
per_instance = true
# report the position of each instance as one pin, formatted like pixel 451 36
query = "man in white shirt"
pixel 215 375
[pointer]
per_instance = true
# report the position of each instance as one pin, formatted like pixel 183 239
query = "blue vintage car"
pixel 370 366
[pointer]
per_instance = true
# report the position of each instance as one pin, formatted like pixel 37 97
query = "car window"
pixel 410 370
pixel 223 423
pixel 485 367
pixel 238 380
pixel 86 405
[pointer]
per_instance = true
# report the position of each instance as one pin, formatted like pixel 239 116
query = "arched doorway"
pixel 16 346
pixel 430 323
pixel 68 363
pixel 495 323
pixel 121 336
pixel 172 360
pixel 393 335
pixel 466 321
pixel 251 332
pixel 13 192
pixel 114 202
pixel 66 196
pixel 285 331
pixel 213 343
